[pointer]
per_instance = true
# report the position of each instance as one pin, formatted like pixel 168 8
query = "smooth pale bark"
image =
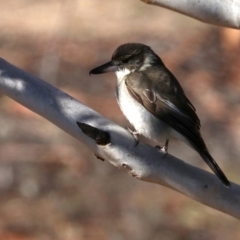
pixel 225 13
pixel 142 161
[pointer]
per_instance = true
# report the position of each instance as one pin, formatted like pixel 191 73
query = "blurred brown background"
pixel 51 186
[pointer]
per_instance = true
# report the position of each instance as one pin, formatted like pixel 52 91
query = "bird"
pixel 153 101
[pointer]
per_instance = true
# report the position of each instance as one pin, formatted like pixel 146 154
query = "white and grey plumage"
pixel 143 121
pixel 153 101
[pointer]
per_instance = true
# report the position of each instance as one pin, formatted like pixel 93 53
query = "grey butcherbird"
pixel 153 101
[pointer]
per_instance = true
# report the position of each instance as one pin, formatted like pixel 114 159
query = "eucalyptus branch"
pixel 217 12
pixel 114 143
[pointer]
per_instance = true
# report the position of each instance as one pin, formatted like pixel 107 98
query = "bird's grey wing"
pixel 165 99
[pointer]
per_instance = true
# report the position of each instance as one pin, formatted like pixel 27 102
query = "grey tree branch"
pixel 115 144
pixel 217 12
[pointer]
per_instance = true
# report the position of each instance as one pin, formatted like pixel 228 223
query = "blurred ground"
pixel 51 186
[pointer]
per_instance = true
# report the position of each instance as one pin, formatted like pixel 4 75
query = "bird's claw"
pixel 164 149
pixel 135 135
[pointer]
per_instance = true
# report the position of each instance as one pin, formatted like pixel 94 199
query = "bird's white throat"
pixel 121 74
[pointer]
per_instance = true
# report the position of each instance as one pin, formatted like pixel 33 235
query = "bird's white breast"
pixel 142 120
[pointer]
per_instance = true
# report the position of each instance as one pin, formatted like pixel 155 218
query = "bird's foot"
pixel 135 135
pixel 164 149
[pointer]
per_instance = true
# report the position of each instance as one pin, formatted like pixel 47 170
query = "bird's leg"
pixel 164 148
pixel 135 135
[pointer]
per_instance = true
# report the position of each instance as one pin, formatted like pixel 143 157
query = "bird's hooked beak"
pixel 107 67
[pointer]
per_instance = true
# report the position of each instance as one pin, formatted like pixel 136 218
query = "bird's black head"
pixel 130 56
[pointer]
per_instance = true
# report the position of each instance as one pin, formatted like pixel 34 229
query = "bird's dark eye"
pixel 125 60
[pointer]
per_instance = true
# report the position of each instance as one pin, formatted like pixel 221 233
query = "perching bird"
pixel 153 101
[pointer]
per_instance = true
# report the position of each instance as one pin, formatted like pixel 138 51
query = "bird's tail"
pixel 215 168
